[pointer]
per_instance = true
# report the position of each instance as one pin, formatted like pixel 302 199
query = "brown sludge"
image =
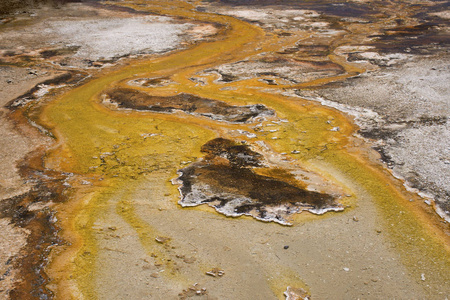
pixel 31 211
pixel 191 104
pixel 225 180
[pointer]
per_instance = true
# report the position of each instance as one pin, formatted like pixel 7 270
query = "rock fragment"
pixel 296 294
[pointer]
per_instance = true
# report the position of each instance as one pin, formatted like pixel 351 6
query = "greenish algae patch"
pixel 84 263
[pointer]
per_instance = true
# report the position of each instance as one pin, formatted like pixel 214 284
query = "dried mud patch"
pixel 92 35
pixel 225 179
pixel 151 82
pixel 38 91
pixel 277 70
pixel 422 38
pixel 191 104
pixel 304 9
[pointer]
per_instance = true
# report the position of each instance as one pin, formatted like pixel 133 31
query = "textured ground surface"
pixel 71 160
pixel 413 102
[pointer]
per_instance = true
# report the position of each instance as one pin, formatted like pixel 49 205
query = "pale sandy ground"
pixel 336 256
pixel 14 146
pixel 12 240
